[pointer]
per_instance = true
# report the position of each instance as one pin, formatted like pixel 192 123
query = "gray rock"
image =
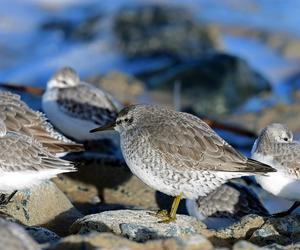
pixel 281 231
pixel 110 241
pixel 14 237
pixel 274 246
pixel 217 83
pixel 42 235
pixel 44 205
pixel 237 231
pixel 137 225
pixel 152 30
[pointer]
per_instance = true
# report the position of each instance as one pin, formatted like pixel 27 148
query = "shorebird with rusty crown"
pixel 275 146
pixel 177 153
pixel 226 205
pixel 18 117
pixel 24 162
pixel 74 106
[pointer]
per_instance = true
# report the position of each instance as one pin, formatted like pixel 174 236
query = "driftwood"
pixel 20 87
pixel 211 122
pixel 229 127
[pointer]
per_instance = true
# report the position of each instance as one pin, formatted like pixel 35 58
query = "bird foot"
pixel 162 213
pixel 164 216
pixel 167 219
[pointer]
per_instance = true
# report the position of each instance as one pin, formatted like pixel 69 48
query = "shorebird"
pixel 74 106
pixel 275 147
pixel 177 153
pixel 226 205
pixel 18 117
pixel 24 162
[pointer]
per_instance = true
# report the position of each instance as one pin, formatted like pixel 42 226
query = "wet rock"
pixel 138 225
pixel 42 235
pixel 239 230
pixel 126 88
pixel 152 30
pixel 44 205
pixel 281 231
pixel 216 84
pixel 111 241
pixel 245 245
pixel 14 237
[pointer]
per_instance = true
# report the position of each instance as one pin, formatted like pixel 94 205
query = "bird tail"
pixel 259 167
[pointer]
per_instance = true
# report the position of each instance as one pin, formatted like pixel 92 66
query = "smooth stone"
pixel 43 205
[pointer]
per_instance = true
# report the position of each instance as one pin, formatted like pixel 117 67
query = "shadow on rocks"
pixel 100 171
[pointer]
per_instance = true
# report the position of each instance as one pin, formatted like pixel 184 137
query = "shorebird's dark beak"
pixel 110 126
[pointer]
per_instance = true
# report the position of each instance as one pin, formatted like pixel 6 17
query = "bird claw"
pixel 164 216
pixel 167 219
pixel 162 213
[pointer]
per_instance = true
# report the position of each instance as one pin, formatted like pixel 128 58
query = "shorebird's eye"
pixel 285 138
pixel 130 120
pixel 118 122
pixel 126 119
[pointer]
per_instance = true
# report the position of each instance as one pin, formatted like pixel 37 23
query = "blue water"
pixel 30 55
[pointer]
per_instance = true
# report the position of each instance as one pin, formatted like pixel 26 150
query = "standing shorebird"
pixel 18 117
pixel 24 162
pixel 74 106
pixel 275 146
pixel 177 153
pixel 226 205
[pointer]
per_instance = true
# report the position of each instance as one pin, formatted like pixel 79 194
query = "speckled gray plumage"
pixel 276 141
pixel 74 107
pixel 23 153
pixel 231 200
pixel 82 100
pixel 18 117
pixel 83 103
pixel 176 152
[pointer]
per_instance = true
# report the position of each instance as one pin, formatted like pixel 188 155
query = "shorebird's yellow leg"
pixel 175 206
pixel 171 216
